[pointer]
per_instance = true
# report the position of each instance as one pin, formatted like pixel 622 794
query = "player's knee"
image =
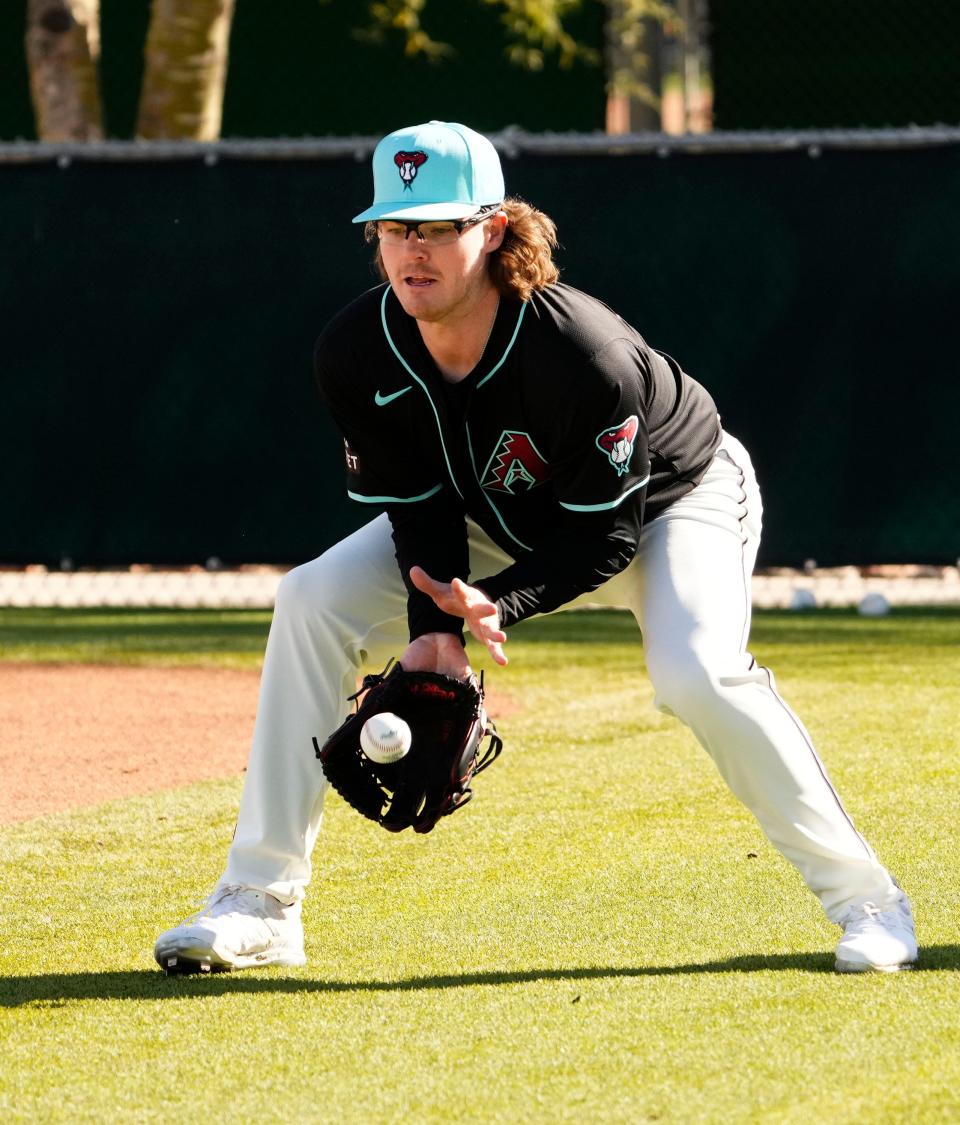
pixel 306 589
pixel 685 687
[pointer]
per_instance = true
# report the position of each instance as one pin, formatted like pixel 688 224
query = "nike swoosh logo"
pixel 382 400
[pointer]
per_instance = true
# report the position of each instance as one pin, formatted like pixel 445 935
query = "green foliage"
pixel 403 16
pixel 628 27
pixel 536 29
pixel 603 935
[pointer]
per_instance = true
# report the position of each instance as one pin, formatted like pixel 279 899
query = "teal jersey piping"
pixel 486 496
pixel 394 499
pixel 606 507
pixel 513 339
pixel 410 371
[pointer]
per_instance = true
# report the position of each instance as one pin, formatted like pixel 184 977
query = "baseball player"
pixel 520 448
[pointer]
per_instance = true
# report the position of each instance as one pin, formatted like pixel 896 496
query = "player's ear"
pixel 496 228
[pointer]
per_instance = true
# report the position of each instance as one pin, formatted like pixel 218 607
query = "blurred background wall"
pixel 159 311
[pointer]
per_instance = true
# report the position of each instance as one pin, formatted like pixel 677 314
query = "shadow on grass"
pixel 58 989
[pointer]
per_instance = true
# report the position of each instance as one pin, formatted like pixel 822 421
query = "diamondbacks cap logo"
pixel 617 443
pixel 516 465
pixel 407 164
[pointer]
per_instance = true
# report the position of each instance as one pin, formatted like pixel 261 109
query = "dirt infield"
pixel 75 735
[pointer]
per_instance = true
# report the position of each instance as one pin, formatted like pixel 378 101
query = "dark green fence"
pixel 802 64
pixel 156 401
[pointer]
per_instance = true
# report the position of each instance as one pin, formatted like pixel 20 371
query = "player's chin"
pixel 420 299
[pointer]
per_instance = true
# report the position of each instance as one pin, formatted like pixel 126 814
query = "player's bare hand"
pixel 461 600
pixel 437 652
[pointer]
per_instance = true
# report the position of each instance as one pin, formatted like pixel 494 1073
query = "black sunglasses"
pixel 435 231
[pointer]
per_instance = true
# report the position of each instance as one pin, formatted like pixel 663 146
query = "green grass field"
pixel 603 936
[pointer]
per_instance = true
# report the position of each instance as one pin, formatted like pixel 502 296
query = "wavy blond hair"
pixel 523 263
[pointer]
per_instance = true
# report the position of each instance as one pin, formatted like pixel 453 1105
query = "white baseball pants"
pixel 689 589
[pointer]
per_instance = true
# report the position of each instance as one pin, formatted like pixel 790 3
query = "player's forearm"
pixel 433 535
pixel 554 575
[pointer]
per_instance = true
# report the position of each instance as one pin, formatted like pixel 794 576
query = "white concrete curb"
pixel 254 587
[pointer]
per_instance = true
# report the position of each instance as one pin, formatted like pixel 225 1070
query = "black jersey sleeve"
pixel 585 553
pixel 432 535
pixel 601 455
pixel 601 470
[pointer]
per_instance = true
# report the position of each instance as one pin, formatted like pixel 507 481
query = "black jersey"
pixel 568 434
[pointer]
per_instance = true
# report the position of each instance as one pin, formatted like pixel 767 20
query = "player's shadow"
pixel 60 989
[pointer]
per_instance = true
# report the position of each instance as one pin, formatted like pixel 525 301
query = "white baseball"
pixel 385 738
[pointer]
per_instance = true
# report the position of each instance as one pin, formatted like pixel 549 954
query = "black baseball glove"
pixel 449 725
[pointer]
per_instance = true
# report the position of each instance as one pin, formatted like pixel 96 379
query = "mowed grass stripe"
pixel 603 935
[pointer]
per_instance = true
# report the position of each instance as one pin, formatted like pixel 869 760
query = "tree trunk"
pixel 186 70
pixel 63 43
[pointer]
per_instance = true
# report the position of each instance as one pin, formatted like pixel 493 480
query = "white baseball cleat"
pixel 237 928
pixel 877 939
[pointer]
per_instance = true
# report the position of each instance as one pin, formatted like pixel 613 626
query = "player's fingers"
pixel 474 603
pixel 491 635
pixel 471 597
pixel 465 595
pixel 484 617
pixel 487 632
pixel 440 592
pixel 423 582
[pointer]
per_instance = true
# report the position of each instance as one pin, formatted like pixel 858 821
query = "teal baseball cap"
pixel 440 170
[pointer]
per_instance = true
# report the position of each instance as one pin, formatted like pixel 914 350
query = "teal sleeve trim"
pixel 606 507
pixel 394 499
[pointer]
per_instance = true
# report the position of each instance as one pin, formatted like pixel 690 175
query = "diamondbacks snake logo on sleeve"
pixel 617 443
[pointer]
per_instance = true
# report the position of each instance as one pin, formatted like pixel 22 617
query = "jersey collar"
pixel 407 344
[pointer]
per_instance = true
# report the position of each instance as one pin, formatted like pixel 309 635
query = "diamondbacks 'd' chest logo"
pixel 516 465
pixel 407 164
pixel 617 443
